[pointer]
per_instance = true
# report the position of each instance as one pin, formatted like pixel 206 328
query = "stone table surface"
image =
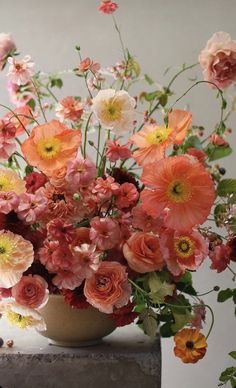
pixel 126 358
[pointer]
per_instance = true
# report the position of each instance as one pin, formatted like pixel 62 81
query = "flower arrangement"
pixel 117 223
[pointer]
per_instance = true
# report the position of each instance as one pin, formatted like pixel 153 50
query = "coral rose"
pixel 108 287
pixel 31 291
pixel 142 251
pixel 50 146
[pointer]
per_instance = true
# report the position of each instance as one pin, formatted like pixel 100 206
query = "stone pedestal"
pixel 125 359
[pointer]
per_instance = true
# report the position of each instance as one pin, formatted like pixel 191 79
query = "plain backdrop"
pixel 161 33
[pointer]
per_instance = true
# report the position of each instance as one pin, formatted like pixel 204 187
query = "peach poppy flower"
pixel 183 186
pixel 190 345
pixel 142 251
pixel 10 181
pixel 20 316
pixel 22 120
pixel 31 291
pixel 50 146
pixel 153 140
pixel 16 256
pixel 108 287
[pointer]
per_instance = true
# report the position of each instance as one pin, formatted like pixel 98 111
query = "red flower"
pixel 107 7
pixel 75 298
pixel 220 257
pixel 232 245
pixel 124 315
pixel 34 181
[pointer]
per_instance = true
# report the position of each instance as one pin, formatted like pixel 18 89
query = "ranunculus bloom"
pixel 20 72
pixel 34 181
pixel 218 60
pixel 80 172
pixel 50 146
pixel 10 181
pixel 182 185
pixel 108 287
pixel 69 108
pixel 87 64
pixel 7 140
pixel 190 345
pixel 7 45
pixel 8 201
pixel 104 232
pixel 183 251
pixel 142 251
pixel 127 196
pixel 31 207
pixel 115 151
pixel 153 140
pixel 22 317
pixel 115 110
pixel 107 7
pixel 16 256
pixel 141 220
pixel 220 257
pixel 31 291
pixel 23 118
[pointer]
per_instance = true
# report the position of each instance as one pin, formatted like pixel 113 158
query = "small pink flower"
pixel 69 108
pixel 87 260
pixel 114 151
pixel 20 95
pixel 105 188
pixel 21 72
pixel 107 7
pixel 34 181
pixel 60 230
pixel 67 279
pixel 104 233
pixel 199 316
pixel 141 220
pixel 7 139
pixel 8 201
pixel 80 172
pixel 128 196
pixel 218 140
pixel 220 257
pixel 31 207
pixel 87 64
pixel 55 256
pixel 7 45
pixel 31 291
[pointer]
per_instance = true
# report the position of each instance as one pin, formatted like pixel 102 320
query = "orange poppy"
pixel 190 345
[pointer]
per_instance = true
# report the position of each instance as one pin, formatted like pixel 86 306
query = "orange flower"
pixel 50 146
pixel 153 140
pixel 182 185
pixel 190 345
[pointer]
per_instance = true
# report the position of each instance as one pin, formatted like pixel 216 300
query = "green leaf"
pixel 159 289
pixel 28 169
pixel 56 82
pixel 166 330
pixel 219 212
pixel 180 321
pixel 148 79
pixel 163 99
pixel 31 103
pixel 192 141
pixel 233 382
pixel 224 295
pixel 215 152
pixel 148 317
pixel 233 355
pixel 234 296
pixel 226 186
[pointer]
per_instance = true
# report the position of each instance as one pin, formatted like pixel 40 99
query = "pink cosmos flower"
pixel 7 45
pixel 220 257
pixel 7 139
pixel 8 201
pixel 127 196
pixel 69 108
pixel 20 72
pixel 80 172
pixel 60 230
pixel 107 7
pixel 31 206
pixel 87 64
pixel 115 151
pixel 87 260
pixel 218 60
pixel 104 233
pixel 67 279
pixel 141 220
pixel 20 95
pixel 105 188
pixel 218 140
pixel 31 291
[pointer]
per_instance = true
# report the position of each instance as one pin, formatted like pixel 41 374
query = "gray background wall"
pixel 161 33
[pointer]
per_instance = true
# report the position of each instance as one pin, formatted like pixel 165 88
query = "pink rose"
pixel 7 45
pixel 31 291
pixel 218 60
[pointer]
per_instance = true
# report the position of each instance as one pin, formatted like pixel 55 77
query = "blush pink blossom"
pixel 199 316
pixel 20 95
pixel 55 256
pixel 141 220
pixel 104 233
pixel 69 108
pixel 8 201
pixel 7 139
pixel 80 172
pixel 127 196
pixel 20 72
pixel 7 45
pixel 87 64
pixel 107 7
pixel 220 257
pixel 60 230
pixel 31 206
pixel 218 60
pixel 67 279
pixel 105 188
pixel 87 260
pixel 115 151
pixel 218 140
pixel 31 291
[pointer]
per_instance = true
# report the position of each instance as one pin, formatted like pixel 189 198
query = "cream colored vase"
pixel 74 327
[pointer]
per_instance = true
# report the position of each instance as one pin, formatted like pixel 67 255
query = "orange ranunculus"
pixel 190 345
pixel 153 140
pixel 142 251
pixel 183 186
pixel 50 146
pixel 108 287
pixel 22 120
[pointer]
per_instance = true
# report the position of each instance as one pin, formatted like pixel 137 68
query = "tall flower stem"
pixel 39 100
pixel 85 134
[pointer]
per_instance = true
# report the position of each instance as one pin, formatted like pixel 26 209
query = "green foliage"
pixel 159 289
pixel 149 321
pixel 215 152
pixel 229 374
pixel 192 141
pixel 55 82
pixel 226 187
pixel 185 284
pixel 224 295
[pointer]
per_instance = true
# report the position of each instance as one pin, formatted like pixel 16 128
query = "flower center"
pixel 189 345
pixel 6 249
pixel 19 320
pixel 5 183
pixel 111 111
pixel 179 191
pixel 102 282
pixel 159 135
pixel 49 148
pixel 184 246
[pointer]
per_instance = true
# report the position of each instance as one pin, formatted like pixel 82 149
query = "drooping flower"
pixel 80 172
pixel 31 291
pixel 16 256
pixel 31 207
pixel 127 196
pixel 87 260
pixel 87 64
pixel 22 317
pixel 190 345
pixel 8 202
pixel 20 72
pixel 34 181
pixel 50 146
pixel 7 46
pixel 115 110
pixel 7 140
pixel 153 140
pixel 143 253
pixel 107 7
pixel 69 108
pixel 218 60
pixel 220 257
pixel 115 151
pixel 104 232
pixel 10 181
pixel 108 287
pixel 183 251
pixel 20 118
pixel 182 185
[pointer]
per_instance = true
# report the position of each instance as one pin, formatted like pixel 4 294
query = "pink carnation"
pixel 107 7
pixel 87 260
pixel 31 207
pixel 8 201
pixel 115 151
pixel 87 64
pixel 7 139
pixel 31 291
pixel 80 172
pixel 69 108
pixel 105 188
pixel 104 233
pixel 128 196
pixel 21 72
pixel 7 45
pixel 60 230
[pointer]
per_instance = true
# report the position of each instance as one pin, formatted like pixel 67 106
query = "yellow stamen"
pixel 19 320
pixel 111 110
pixel 49 148
pixel 159 135
pixel 179 191
pixel 6 248
pixel 184 246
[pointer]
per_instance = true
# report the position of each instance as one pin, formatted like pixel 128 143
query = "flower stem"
pixel 39 100
pixel 86 133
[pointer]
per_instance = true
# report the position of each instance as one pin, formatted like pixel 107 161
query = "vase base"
pixel 74 344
